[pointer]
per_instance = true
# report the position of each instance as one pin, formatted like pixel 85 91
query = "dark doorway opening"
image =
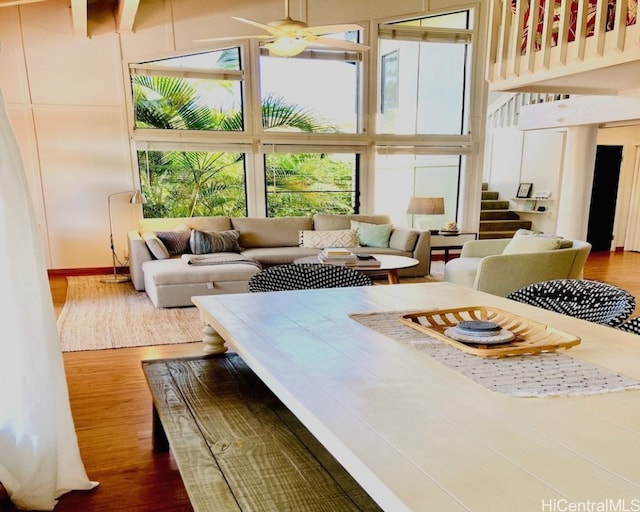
pixel 603 197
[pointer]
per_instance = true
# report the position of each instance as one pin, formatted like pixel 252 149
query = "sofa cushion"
pixel 326 221
pixel 462 271
pixel 156 246
pixel 176 241
pixel 528 244
pixel 278 255
pixel 564 243
pixel 169 223
pixel 403 239
pixel 372 235
pixel 205 242
pixel 177 272
pixel 313 239
pixel 270 232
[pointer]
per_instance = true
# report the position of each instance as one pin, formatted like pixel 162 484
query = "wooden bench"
pixel 238 448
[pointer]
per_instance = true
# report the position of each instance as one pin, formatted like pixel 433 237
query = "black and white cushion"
pixel 631 325
pixel 306 276
pixel 597 302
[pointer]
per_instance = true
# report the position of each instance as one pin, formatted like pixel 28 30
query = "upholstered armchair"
pixel 501 266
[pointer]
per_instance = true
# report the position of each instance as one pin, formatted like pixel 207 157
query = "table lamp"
pixel 425 206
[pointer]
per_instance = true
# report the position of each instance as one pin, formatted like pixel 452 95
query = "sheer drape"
pixel 39 455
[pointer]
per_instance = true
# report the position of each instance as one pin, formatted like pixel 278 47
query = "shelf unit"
pixel 529 201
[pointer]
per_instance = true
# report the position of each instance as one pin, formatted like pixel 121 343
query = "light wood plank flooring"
pixel 112 411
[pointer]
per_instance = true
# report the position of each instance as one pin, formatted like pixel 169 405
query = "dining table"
pixel 424 426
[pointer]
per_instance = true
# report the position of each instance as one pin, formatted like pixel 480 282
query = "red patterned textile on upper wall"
pixel 573 17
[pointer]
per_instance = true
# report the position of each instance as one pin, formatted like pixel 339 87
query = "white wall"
pixel 67 99
pixel 515 157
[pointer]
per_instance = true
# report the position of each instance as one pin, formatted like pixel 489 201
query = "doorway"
pixel 603 197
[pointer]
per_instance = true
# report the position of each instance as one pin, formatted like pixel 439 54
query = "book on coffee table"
pixel 367 261
pixel 349 259
pixel 336 252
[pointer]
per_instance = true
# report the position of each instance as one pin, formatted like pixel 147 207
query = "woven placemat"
pixel 541 375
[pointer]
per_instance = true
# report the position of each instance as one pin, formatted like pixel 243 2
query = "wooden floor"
pixel 111 406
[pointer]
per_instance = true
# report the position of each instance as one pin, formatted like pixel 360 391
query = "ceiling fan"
pixel 288 37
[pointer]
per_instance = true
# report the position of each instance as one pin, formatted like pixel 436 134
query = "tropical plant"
pixel 188 183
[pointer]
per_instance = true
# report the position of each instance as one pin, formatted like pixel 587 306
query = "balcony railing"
pixel 557 46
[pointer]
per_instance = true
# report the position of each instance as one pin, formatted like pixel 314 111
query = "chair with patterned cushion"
pixel 304 276
pixel 596 302
pixel 631 325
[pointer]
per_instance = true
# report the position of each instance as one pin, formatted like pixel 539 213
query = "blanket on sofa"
pixel 218 258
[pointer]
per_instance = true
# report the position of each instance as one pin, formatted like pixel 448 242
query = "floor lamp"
pixel 136 198
pixel 425 206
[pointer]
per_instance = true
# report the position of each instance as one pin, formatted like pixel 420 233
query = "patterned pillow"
pixel 155 246
pixel 332 238
pixel 205 242
pixel 176 242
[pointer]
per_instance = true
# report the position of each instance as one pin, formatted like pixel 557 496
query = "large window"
pixel 192 183
pixel 423 74
pixel 237 131
pixel 308 183
pixel 325 84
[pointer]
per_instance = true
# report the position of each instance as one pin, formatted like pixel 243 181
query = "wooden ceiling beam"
pixel 126 14
pixel 10 3
pixel 79 18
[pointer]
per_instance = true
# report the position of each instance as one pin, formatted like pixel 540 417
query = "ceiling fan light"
pixel 286 46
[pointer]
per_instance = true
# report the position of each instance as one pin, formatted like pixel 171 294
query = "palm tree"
pixel 187 183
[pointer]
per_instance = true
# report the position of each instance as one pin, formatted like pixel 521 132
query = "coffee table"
pixel 389 263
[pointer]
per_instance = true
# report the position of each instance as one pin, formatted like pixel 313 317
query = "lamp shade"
pixel 426 206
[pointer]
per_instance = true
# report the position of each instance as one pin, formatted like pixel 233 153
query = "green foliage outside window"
pixel 304 184
pixel 194 183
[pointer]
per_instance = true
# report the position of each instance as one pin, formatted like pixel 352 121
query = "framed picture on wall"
pixel 524 190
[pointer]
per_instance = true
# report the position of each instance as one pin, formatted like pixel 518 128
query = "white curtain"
pixel 39 455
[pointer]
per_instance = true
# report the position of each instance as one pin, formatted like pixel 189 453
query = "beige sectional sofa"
pixel 172 281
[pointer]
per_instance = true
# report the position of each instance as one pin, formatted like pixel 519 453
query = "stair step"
pixel 498 215
pixel 485 185
pixel 504 225
pixel 494 205
pixel 490 195
pixel 486 235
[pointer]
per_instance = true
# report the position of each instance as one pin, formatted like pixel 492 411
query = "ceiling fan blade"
pixel 338 43
pixel 331 29
pixel 232 38
pixel 272 30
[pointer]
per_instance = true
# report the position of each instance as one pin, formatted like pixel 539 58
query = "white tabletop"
pixel 421 437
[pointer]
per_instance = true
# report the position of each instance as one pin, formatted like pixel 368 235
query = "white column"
pixel 576 181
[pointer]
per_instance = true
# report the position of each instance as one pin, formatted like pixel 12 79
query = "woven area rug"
pixel 542 375
pixel 100 315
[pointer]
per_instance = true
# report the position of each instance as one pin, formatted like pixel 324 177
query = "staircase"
pixel 496 220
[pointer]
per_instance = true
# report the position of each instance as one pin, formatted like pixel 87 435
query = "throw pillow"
pixel 176 242
pixel 155 246
pixel 205 242
pixel 564 243
pixel 372 235
pixel 527 244
pixel 329 238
